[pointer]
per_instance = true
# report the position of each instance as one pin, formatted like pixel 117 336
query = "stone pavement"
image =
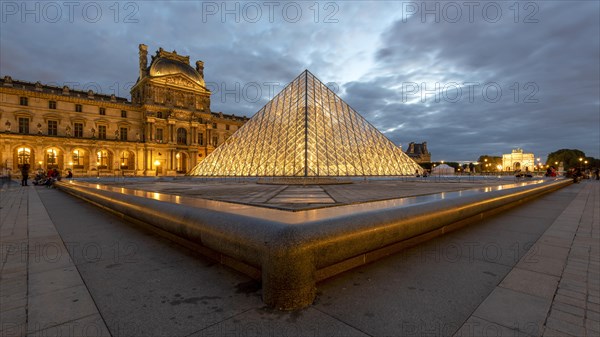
pixel 41 291
pixel 554 290
pixel 71 269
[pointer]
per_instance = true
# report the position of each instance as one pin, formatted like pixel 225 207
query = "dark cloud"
pixel 548 72
pixel 374 52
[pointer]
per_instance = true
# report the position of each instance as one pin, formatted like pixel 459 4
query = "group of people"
pixel 42 178
pixel 551 172
pixel 46 178
pixel 521 174
pixel 424 175
pixel 577 174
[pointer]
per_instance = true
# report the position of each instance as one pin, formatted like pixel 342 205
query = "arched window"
pixel 125 160
pixel 51 158
pixel 102 159
pixel 76 158
pixel 180 161
pixel 181 136
pixel 23 155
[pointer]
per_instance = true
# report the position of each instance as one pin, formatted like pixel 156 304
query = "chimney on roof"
pixel 200 68
pixel 143 60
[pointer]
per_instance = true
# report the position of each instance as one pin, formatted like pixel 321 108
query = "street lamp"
pixel 156 164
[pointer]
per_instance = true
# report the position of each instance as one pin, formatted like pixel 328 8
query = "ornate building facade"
pixel 517 160
pixel 419 152
pixel 165 129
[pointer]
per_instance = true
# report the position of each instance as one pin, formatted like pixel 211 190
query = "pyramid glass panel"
pixel 307 131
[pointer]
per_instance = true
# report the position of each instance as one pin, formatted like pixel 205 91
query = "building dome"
pixel 163 66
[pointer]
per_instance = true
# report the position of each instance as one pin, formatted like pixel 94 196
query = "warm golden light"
pixel 157 163
pixel 307 131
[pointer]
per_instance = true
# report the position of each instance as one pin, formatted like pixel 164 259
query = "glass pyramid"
pixel 307 131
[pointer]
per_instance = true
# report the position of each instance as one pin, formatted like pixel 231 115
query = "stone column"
pixel 150 131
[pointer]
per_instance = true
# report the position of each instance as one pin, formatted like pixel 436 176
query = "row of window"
pixel 78 107
pixel 182 137
pixel 77 129
pixel 122 134
pixel 159 114
pixel 102 161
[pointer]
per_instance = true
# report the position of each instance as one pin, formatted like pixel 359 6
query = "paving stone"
pixel 478 327
pixel 594 316
pixel 53 279
pixel 571 293
pixel 549 332
pixel 13 329
pixel 593 307
pixel 572 285
pixel 12 319
pixel 530 282
pixel 565 327
pixel 542 249
pixel 567 317
pixel 269 322
pixel 59 307
pixel 508 307
pixel 542 264
pixel 92 325
pixel 593 299
pixel 581 312
pixel 593 327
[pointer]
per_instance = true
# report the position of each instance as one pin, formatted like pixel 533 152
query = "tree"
pixel 569 158
pixel 492 163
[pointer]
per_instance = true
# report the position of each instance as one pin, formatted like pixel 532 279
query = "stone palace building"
pixel 418 152
pixel 166 128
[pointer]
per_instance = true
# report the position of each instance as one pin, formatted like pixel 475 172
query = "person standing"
pixel 24 174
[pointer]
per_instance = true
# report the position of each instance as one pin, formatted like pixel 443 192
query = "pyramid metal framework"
pixel 307 131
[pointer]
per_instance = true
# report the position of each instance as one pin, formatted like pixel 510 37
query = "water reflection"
pixel 299 217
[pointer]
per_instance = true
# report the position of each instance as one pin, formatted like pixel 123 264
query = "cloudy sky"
pixel 470 78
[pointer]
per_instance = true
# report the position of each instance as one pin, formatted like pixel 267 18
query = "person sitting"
pixel 577 175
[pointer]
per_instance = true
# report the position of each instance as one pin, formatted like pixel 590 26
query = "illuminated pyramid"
pixel 307 131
